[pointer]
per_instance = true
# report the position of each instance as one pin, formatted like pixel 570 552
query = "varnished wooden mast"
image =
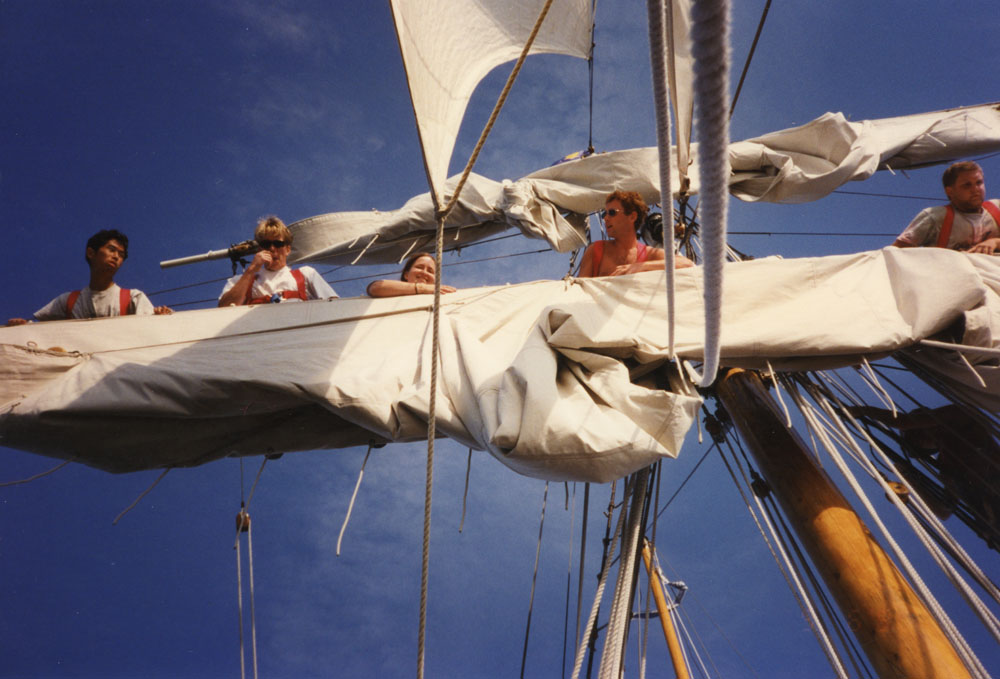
pixel 893 626
pixel 673 645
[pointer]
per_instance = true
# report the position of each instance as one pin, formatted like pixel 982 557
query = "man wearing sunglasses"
pixel 268 279
pixel 106 252
pixel 622 253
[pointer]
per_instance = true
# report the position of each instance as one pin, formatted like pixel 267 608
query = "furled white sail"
pixel 559 380
pixel 448 46
pixel 789 166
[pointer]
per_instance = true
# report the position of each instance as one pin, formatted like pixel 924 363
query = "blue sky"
pixel 182 122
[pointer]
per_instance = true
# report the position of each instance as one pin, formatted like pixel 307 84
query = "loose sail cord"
pixel 962 648
pixel 602 582
pixel 36 476
pixel 354 495
pixel 656 11
pixel 534 579
pixel 141 495
pixel 243 526
pixel 465 494
pixel 710 49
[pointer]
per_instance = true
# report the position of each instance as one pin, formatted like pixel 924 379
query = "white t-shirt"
pixel 95 304
pixel 966 230
pixel 268 283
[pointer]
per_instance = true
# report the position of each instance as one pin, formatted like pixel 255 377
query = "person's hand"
pixel 260 261
pixel 162 310
pixel 988 246
pixel 623 270
pixel 428 288
pixel 17 321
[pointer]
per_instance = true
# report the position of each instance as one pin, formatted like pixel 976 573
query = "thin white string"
pixel 354 495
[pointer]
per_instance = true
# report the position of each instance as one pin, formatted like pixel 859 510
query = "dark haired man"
pixel 622 253
pixel 106 252
pixel 968 222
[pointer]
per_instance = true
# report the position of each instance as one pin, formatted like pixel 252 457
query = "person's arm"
pixel 922 230
pixel 654 262
pixel 898 243
pixel 988 246
pixel 237 295
pixel 387 288
pixel 587 264
pixel 17 321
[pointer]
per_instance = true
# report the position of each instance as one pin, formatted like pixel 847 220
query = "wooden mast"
pixel 893 626
pixel 673 644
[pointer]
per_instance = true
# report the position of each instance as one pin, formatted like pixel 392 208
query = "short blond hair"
pixel 272 228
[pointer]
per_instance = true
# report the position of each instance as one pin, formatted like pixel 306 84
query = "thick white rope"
pixel 710 49
pixel 602 582
pixel 354 495
pixel 947 626
pixel 656 10
pixel 618 620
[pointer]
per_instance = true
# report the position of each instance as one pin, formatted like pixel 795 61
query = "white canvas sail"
pixel 553 378
pixel 448 46
pixel 796 165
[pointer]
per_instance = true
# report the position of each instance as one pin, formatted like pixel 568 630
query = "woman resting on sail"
pixel 417 279
pixel 624 212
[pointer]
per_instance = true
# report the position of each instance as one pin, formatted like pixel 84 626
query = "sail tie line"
pixel 37 476
pixel 141 495
pixel 354 495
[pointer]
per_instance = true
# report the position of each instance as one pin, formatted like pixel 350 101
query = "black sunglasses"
pixel 268 244
pixel 611 212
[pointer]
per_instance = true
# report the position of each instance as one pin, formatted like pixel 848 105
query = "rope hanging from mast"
pixel 442 215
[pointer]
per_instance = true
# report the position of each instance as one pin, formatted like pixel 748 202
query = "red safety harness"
pixel 299 293
pixel 949 218
pixel 124 302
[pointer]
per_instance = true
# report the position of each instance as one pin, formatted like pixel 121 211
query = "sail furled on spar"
pixel 796 165
pixel 557 380
pixel 448 46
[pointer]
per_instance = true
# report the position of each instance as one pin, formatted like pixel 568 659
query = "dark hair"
pixel 100 239
pixel 413 260
pixel 631 202
pixel 950 175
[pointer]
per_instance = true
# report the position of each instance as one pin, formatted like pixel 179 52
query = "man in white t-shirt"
pixel 268 279
pixel 106 251
pixel 969 222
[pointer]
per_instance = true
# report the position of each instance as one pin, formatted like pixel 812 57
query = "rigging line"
pixel 846 640
pixel 253 606
pixel 465 494
pixel 746 66
pixel 683 483
pixel 141 495
pixel 239 605
pixel 37 476
pixel 447 266
pixel 602 582
pixel 949 629
pixel 253 488
pixel 656 16
pixel 825 234
pixel 569 581
pixel 493 116
pixel 712 620
pixel 534 579
pixel 354 495
pixel 583 555
pixel 590 77
pixel 936 199
pixel 785 564
pixel 190 285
